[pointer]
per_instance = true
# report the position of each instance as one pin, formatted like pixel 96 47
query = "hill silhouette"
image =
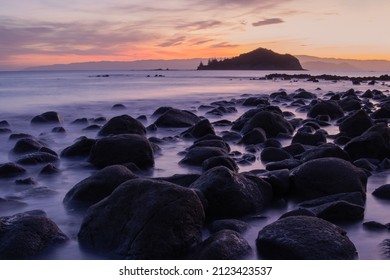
pixel 259 59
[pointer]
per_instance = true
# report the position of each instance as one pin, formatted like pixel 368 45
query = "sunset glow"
pixel 50 32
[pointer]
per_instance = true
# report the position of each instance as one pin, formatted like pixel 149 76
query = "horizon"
pixel 45 33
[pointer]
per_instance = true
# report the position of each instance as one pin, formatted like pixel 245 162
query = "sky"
pixel 41 32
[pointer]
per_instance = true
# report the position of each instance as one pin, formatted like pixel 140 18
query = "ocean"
pixel 91 94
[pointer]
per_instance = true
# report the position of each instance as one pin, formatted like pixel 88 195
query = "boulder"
pixel 200 129
pixel 230 194
pixel 383 112
pixel 373 143
pixel 231 224
pixel 132 224
pixel 255 136
pixel 81 148
pixel 47 118
pixel 326 176
pixel 197 155
pixel 124 124
pixel 325 150
pixel 25 235
pixel 38 158
pixel 217 143
pixel 382 192
pixel 184 180
pixel 329 108
pixel 305 138
pixel 11 169
pixel 355 124
pixel 98 186
pixel 219 161
pixel 27 145
pixel 272 123
pixel 222 245
pixel 271 154
pixel 120 149
pixel 304 238
pixel 176 118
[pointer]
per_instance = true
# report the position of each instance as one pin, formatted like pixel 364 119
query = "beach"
pixel 84 102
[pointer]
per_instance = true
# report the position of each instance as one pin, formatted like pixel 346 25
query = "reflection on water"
pixel 84 95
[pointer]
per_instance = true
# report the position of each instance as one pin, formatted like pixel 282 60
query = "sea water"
pixel 91 94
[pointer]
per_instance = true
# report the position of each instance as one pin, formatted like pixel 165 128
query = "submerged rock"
pixel 132 224
pixel 304 238
pixel 37 158
pixel 382 192
pixel 25 235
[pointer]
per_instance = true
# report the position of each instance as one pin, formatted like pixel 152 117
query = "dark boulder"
pixel 132 224
pixel 373 143
pixel 4 123
pixel 382 192
pixel 271 154
pixel 255 136
pixel 231 224
pixel 25 235
pixel 350 104
pixel 49 169
pixel 197 155
pixel 304 238
pixel 27 145
pixel 255 101
pixel 11 169
pixel 81 148
pixel 230 194
pixel 310 139
pixel 216 143
pixel 38 158
pixel 98 186
pixel 326 176
pixel 176 118
pixel 47 118
pixel 325 150
pixel 355 124
pixel 283 164
pixel 122 125
pixel 219 161
pixel 200 129
pixel 120 149
pixel 273 124
pixel 223 245
pixel 279 180
pixel 118 107
pixel 330 108
pixel 298 212
pixel 383 112
pixel 184 180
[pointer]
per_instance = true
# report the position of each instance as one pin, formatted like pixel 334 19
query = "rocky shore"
pixel 318 151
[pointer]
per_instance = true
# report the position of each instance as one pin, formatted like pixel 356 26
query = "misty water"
pixel 91 94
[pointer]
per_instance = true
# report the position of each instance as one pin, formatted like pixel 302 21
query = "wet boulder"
pixel 255 136
pixel 38 158
pixel 81 148
pixel 230 194
pixel 272 123
pixel 11 169
pixel 120 149
pixel 356 124
pixel 231 224
pixel 325 150
pixel 326 176
pixel 217 143
pixel 197 155
pixel 304 238
pixel 132 224
pixel 383 112
pixel 25 235
pixel 27 145
pixel 200 129
pixel 219 161
pixel 184 180
pixel 222 245
pixel 176 118
pixel 373 143
pixel 382 192
pixel 124 124
pixel 271 154
pixel 98 186
pixel 47 118
pixel 329 108
pixel 311 139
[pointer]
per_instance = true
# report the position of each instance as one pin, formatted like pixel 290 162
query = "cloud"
pixel 173 42
pixel 224 45
pixel 268 21
pixel 198 25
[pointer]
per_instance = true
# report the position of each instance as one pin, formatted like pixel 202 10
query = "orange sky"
pixel 50 32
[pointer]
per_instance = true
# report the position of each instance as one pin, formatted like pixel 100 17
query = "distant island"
pixel 259 59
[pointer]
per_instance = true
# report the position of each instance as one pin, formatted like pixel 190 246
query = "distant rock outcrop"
pixel 259 59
